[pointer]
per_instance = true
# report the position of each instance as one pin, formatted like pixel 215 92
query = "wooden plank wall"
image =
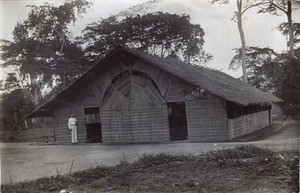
pixel 206 120
pixel 89 99
pixel 135 123
pixel 132 90
pixel 73 105
pixel 142 117
pixel 248 123
pixel 93 95
pixel 162 79
pixel 170 87
pixel 62 132
pixel 176 93
pixel 104 78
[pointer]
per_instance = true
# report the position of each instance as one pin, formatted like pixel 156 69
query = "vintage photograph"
pixel 149 96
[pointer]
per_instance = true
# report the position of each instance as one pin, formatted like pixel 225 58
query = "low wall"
pixel 207 121
pixel 248 123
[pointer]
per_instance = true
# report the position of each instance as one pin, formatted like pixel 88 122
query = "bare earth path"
pixel 20 161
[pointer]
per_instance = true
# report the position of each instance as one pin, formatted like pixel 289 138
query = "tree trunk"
pixel 16 116
pixel 242 36
pixel 35 90
pixel 291 30
pixel 64 85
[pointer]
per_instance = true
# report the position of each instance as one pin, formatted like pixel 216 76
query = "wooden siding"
pixel 90 95
pixel 248 123
pixel 171 88
pixel 162 79
pixel 90 99
pixel 132 89
pixel 176 92
pixel 134 109
pixel 206 120
pixel 61 116
pixel 104 78
pixel 135 123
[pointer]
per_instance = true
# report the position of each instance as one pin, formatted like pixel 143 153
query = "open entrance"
pixel 93 125
pixel 94 134
pixel 177 121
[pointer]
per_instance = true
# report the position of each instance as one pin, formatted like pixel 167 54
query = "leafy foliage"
pixel 163 34
pixel 43 51
pixel 272 7
pixel 284 28
pixel 273 72
pixel 285 7
pixel 11 82
pixel 265 6
pixel 261 67
pixel 43 54
pixel 289 87
pixel 14 107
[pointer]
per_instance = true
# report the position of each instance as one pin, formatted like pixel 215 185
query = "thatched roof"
pixel 213 81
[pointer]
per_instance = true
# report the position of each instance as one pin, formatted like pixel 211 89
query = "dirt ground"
pixel 172 173
pixel 241 169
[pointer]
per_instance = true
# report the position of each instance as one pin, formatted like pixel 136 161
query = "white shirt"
pixel 72 122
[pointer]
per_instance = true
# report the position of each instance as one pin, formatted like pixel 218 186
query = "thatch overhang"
pixel 41 113
pixel 213 81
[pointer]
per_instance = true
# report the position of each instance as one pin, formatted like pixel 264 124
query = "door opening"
pixel 93 125
pixel 93 132
pixel 177 121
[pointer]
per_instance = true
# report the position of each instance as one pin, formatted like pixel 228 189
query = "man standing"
pixel 72 123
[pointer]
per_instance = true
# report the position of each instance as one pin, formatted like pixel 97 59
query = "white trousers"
pixel 74 133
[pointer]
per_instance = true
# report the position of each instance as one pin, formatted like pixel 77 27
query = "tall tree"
pixel 157 33
pixel 43 50
pixel 264 6
pixel 286 7
pixel 238 17
pixel 289 88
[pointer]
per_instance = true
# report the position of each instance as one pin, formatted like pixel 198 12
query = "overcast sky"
pixel 221 33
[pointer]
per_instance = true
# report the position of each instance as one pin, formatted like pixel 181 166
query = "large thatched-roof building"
pixel 130 97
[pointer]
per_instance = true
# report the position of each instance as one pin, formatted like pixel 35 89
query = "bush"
pixel 14 107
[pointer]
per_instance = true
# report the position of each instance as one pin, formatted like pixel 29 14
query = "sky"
pixel 221 33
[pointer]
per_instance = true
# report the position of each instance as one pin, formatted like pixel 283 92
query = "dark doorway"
pixel 94 134
pixel 177 121
pixel 93 125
